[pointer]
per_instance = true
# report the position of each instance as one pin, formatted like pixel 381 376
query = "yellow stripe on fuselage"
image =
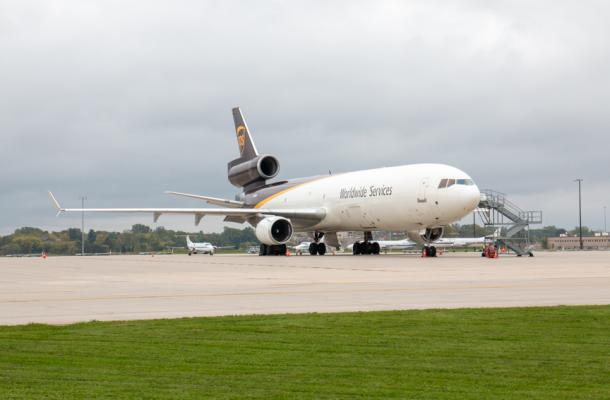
pixel 281 192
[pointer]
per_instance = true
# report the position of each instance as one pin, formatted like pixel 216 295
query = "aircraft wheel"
pixel 356 248
pixel 432 251
pixel 375 248
pixel 262 250
pixel 321 249
pixel 283 249
pixel 365 248
pixel 190 253
pixel 313 249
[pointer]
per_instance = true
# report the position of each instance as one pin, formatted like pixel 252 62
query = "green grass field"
pixel 518 353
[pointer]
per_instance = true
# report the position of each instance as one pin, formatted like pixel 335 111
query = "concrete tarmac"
pixel 62 290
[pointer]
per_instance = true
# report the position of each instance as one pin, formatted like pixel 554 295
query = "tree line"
pixel 140 238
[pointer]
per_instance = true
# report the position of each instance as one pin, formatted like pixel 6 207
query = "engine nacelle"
pixel 429 235
pixel 260 168
pixel 274 230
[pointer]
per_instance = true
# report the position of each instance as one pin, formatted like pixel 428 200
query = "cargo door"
pixel 421 206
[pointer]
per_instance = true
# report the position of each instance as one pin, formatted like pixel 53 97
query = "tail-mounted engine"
pixel 254 172
pixel 274 230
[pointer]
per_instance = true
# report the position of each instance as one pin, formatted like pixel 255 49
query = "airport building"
pixel 601 242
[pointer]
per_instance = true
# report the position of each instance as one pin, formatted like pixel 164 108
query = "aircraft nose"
pixel 475 196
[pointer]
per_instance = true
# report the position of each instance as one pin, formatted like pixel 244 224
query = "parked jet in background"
pixel 467 242
pixel 203 247
pixel 405 244
pixel 418 199
pixel 302 248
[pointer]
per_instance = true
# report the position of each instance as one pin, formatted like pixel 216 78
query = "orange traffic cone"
pixel 424 253
pixel 288 254
pixel 44 255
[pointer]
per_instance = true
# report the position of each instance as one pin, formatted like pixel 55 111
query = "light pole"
pixel 579 180
pixel 605 229
pixel 82 226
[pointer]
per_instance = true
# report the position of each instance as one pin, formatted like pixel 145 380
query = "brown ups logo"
pixel 241 137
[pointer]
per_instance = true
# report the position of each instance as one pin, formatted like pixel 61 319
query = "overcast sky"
pixel 122 100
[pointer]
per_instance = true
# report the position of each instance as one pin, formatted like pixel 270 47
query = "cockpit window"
pixel 446 182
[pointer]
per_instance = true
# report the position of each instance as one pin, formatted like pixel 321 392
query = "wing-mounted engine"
pixel 274 230
pixel 253 173
pixel 428 235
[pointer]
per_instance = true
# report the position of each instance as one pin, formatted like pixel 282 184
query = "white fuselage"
pixel 462 242
pixel 405 198
pixel 396 244
pixel 203 247
pixel 303 246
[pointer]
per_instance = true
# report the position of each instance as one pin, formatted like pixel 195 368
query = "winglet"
pixel 56 203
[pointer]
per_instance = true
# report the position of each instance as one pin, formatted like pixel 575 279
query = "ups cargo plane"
pixel 419 199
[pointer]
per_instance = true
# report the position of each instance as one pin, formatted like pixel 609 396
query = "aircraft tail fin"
pixel 247 148
pixel 188 241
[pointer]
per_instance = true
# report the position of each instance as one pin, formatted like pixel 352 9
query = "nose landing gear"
pixel 428 251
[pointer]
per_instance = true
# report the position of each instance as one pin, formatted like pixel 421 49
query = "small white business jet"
pixel 419 199
pixel 302 248
pixel 467 242
pixel 404 244
pixel 202 247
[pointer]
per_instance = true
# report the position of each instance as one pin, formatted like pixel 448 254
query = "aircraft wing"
pixel 199 213
pixel 211 200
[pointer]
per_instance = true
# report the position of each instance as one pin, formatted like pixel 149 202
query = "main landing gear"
pixel 428 251
pixel 366 247
pixel 317 248
pixel 272 250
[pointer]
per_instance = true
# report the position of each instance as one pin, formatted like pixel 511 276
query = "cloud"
pixel 120 102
